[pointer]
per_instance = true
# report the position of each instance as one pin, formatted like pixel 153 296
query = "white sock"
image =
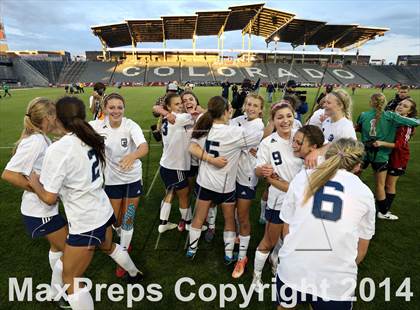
pixel 188 217
pixel 243 245
pixel 121 257
pixel 53 257
pixel 56 277
pixel 165 210
pixel 126 236
pixel 80 300
pixel 275 253
pixel 262 211
pixel 194 237
pixel 211 217
pixel 229 239
pixel 184 213
pixel 259 261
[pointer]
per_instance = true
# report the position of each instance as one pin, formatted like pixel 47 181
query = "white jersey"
pixel 28 157
pixel 227 141
pixel 195 161
pixel 72 170
pixel 176 141
pixel 296 124
pixel 316 118
pixel 324 233
pixel 278 152
pixel 334 131
pixel 120 142
pixel 246 172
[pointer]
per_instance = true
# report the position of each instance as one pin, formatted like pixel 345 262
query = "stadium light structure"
pixel 276 40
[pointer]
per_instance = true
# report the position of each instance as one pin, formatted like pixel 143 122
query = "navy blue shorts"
pixel 245 192
pixel 42 226
pixel 132 190
pixel 174 179
pixel 292 297
pixel 209 195
pixel 273 216
pixel 91 238
pixel 193 172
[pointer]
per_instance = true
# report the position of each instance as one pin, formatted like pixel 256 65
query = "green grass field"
pixel 394 251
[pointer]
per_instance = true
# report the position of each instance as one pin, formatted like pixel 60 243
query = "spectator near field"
pixel 399 96
pixel 225 86
pixel 270 91
pixel 302 108
pixel 6 90
pixel 96 100
pixel 329 88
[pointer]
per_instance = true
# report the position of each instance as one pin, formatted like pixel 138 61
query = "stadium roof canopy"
pixel 254 19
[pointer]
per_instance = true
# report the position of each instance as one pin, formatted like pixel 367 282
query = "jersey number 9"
pixel 334 214
pixel 277 158
pixel 95 165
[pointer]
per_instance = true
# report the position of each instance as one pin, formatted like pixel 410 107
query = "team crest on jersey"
pixel 124 142
pixel 331 137
pixel 273 140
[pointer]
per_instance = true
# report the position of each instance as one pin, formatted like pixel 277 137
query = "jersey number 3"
pixel 334 213
pixel 95 165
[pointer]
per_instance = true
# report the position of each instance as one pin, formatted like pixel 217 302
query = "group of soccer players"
pixel 319 216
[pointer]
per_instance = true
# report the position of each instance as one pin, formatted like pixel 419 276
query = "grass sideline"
pixel 392 253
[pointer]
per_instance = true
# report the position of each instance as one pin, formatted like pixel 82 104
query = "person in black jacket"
pixel 225 92
pixel 400 96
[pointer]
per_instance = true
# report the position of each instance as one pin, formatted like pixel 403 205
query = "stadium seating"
pixel 158 72
pixel 411 72
pixel 393 73
pixel 7 74
pixel 196 72
pixel 50 69
pixel 372 76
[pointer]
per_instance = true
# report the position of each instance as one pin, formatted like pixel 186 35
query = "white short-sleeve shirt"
pixel 246 172
pixel 72 170
pixel 176 141
pixel 342 128
pixel 28 157
pixel 324 233
pixel 278 152
pixel 120 142
pixel 227 141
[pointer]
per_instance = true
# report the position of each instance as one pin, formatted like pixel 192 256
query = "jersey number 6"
pixel 95 165
pixel 334 214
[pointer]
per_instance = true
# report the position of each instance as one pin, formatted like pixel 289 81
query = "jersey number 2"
pixel 334 214
pixel 95 165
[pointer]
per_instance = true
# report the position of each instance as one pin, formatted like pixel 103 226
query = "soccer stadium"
pixel 260 176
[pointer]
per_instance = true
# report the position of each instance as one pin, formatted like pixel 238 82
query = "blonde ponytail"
pixel 345 153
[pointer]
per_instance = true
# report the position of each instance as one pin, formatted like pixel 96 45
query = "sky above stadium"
pixel 65 25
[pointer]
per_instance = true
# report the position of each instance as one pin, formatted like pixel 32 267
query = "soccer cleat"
pixel 230 260
pixel 191 254
pixel 209 235
pixel 239 268
pixel 182 225
pixel 262 221
pixel 166 227
pixel 256 281
pixel 134 279
pixel 120 272
pixel 387 216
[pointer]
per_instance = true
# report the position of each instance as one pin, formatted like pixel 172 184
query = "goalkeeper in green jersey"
pixel 378 129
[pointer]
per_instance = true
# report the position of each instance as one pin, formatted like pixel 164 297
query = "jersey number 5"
pixel 210 145
pixel 95 165
pixel 334 213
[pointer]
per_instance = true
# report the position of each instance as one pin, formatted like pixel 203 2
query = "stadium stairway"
pixel 49 69
pixel 27 74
